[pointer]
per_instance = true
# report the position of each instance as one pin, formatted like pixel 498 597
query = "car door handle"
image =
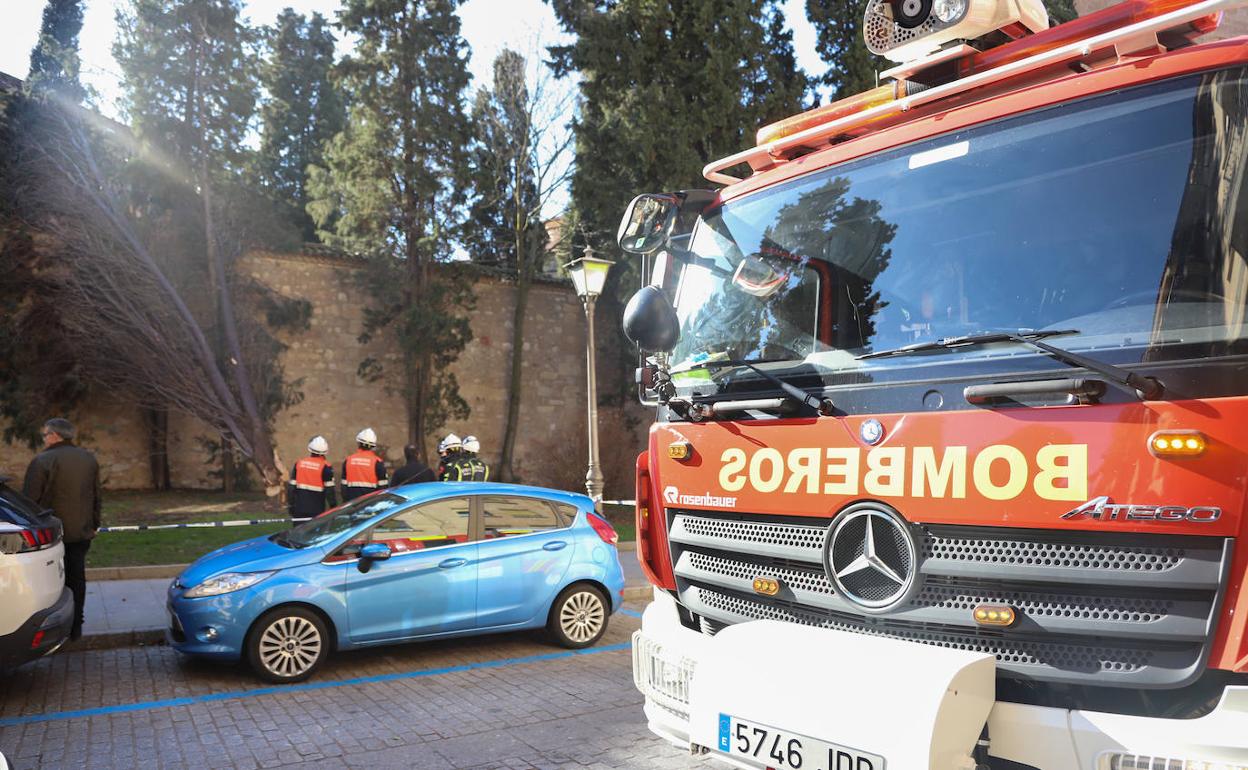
pixel 554 545
pixel 452 563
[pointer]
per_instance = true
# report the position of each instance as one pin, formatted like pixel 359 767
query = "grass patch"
pixel 167 546
pixel 623 518
pixel 181 505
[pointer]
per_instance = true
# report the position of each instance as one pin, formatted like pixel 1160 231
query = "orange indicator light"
pixel 767 586
pixel 994 615
pixel 679 450
pixel 1177 443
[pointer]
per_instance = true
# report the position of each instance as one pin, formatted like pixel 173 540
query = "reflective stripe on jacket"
pixel 364 469
pixel 310 474
pixel 312 488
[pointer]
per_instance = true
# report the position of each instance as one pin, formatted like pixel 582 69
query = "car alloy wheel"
pixel 288 645
pixel 581 616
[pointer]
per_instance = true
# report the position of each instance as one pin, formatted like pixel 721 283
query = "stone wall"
pixel 337 403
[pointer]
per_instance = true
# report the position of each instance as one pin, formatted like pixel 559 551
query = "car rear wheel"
pixel 578 617
pixel 287 645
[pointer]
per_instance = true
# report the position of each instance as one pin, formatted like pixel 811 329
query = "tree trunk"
pixel 264 454
pixel 156 421
pixel 229 473
pixel 516 381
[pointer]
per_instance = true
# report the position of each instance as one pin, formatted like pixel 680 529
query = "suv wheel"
pixel 287 645
pixel 578 617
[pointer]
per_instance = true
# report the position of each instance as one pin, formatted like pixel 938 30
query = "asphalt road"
pixel 508 701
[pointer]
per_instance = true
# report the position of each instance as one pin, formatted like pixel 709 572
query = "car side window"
pixel 442 522
pixel 510 516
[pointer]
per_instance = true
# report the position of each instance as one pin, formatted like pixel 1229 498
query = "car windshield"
pixel 330 524
pixel 1123 218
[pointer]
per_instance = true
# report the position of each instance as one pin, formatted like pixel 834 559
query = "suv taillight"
pixel 24 540
pixel 604 529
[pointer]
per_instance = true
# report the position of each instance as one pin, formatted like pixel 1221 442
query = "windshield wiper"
pixel 286 542
pixel 1144 388
pixel 822 406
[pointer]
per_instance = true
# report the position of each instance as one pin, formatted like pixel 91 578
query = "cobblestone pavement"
pixel 510 701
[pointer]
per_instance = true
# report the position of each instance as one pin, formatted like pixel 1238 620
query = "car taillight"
pixel 651 537
pixel 24 540
pixel 604 529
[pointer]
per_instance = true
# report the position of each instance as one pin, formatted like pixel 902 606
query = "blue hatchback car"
pixel 421 561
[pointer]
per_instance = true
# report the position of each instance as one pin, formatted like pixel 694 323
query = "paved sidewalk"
pixel 124 606
pixel 122 613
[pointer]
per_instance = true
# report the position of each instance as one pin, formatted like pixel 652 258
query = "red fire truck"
pixel 950 462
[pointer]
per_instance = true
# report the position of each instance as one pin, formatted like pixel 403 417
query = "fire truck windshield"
pixel 1124 217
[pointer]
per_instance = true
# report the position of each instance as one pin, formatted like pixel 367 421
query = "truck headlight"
pixel 227 583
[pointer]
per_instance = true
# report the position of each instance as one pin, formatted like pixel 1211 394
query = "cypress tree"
pixel 838 27
pixel 666 87
pixel 54 60
pixel 391 187
pixel 189 78
pixel 301 112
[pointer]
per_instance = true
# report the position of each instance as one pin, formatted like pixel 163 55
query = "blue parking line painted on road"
pixel 305 687
pixel 630 613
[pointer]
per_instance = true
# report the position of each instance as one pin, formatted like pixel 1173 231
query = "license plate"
pixel 784 750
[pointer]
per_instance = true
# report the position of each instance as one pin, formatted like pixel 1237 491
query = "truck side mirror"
pixel 647 222
pixel 651 322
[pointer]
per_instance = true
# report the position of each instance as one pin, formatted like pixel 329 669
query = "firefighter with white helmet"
pixel 363 471
pixel 472 467
pixel 449 451
pixel 311 483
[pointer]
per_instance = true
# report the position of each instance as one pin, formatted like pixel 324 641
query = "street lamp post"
pixel 589 275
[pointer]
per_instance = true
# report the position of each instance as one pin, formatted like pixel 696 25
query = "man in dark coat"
pixel 66 479
pixel 414 472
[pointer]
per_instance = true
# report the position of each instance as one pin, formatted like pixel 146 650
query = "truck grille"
pixel 1093 608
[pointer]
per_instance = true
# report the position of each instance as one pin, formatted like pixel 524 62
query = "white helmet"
pixel 471 444
pixel 450 443
pixel 366 437
pixel 318 445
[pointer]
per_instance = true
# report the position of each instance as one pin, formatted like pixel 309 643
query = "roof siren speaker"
pixel 905 30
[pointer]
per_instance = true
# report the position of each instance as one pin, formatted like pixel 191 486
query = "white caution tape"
pixel 193 525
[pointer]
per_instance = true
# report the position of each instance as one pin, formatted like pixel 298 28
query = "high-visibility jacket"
pixel 446 468
pixel 362 472
pixel 468 468
pixel 311 488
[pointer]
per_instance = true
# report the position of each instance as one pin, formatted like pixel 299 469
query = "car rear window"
pixel 508 516
pixel 16 508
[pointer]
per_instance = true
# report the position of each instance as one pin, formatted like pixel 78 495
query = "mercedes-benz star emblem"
pixel 872 431
pixel 870 556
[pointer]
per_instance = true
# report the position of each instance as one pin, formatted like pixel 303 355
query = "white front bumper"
pixel 917 705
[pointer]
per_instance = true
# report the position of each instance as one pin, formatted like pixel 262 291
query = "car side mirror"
pixel 647 222
pixel 651 322
pixel 370 553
